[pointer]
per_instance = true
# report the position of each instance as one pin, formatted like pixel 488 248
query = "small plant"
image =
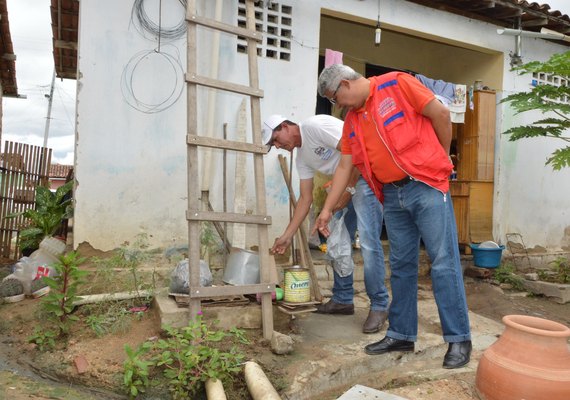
pixel 559 273
pixel 209 241
pixel 44 220
pixel 186 359
pixel 127 258
pixel 59 301
pixel 505 274
pixel 113 317
pixel 11 287
pixel 44 339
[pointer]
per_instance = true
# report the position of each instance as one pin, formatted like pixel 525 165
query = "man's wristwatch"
pixel 351 190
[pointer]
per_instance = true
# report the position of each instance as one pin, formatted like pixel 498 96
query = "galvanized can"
pixel 297 285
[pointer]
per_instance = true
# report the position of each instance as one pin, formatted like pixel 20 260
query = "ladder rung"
pixel 223 85
pixel 223 291
pixel 236 30
pixel 226 144
pixel 228 217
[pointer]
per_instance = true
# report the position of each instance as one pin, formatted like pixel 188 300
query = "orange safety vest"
pixel 408 135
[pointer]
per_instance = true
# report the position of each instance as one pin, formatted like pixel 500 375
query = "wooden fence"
pixel 22 168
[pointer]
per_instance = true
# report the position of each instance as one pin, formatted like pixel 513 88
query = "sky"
pixel 24 120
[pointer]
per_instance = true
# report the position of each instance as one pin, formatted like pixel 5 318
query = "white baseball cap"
pixel 269 125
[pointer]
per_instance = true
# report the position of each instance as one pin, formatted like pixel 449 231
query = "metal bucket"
pixel 297 285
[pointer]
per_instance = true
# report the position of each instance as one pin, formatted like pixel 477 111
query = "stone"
pixel 558 292
pixel 81 364
pixel 281 344
pixel 533 276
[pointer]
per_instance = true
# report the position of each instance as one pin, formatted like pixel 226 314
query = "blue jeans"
pixel 413 211
pixel 368 212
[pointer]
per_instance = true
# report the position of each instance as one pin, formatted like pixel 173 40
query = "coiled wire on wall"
pixel 130 92
pixel 144 24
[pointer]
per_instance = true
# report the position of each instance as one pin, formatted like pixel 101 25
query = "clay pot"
pixel 530 361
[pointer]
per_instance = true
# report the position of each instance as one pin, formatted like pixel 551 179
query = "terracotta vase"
pixel 530 361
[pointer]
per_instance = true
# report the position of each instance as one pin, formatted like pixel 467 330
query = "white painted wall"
pixel 131 167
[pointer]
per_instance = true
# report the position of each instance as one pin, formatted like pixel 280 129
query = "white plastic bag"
pixel 339 246
pixel 179 279
pixel 39 263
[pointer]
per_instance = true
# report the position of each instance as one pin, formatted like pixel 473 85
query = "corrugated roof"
pixel 59 170
pixel 7 56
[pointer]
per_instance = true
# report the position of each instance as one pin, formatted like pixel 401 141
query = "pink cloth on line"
pixel 332 57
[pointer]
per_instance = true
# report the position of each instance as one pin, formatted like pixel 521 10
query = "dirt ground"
pixel 105 355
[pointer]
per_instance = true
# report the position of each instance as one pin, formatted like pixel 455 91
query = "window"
pixel 275 21
pixel 543 78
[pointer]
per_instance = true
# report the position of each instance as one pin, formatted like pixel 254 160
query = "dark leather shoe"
pixel 458 355
pixel 387 345
pixel 374 321
pixel 335 308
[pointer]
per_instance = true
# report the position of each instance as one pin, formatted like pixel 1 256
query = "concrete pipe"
pixel 259 386
pixel 215 390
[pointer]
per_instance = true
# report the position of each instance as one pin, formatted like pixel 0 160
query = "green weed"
pixel 505 274
pixel 184 360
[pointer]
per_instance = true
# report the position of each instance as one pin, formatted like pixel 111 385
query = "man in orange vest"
pixel 398 135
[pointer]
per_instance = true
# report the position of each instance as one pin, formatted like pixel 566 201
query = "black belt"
pixel 402 182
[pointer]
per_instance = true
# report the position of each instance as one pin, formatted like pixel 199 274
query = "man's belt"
pixel 402 182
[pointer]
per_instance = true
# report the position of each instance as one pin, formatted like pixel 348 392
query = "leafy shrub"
pixel 44 220
pixel 559 273
pixel 43 338
pixel 184 360
pixel 544 98
pixel 59 301
pixel 505 274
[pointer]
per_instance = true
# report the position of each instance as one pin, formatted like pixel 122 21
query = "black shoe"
pixel 387 345
pixel 335 308
pixel 458 355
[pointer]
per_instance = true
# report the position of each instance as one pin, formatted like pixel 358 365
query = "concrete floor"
pixel 329 360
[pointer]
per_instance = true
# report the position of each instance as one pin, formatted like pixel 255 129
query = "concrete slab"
pixel 244 317
pixel 359 392
pixel 329 352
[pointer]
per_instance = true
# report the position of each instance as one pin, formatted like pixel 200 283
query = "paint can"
pixel 297 285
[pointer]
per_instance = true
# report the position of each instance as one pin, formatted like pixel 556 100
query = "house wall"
pixel 131 166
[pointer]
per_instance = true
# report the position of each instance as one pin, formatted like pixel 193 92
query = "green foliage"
pixel 505 274
pixel 44 220
pixel 109 275
pixel 11 287
pixel 184 360
pixel 545 98
pixel 59 301
pixel 44 339
pixel 559 273
pixel 108 317
pixel 208 239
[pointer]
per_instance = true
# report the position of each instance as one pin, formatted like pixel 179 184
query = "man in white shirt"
pixel 317 140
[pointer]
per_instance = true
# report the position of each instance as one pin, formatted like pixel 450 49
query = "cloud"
pixel 24 120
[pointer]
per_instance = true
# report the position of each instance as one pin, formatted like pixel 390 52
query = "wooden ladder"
pixel 196 214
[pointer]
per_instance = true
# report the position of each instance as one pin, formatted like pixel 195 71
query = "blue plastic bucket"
pixel 486 257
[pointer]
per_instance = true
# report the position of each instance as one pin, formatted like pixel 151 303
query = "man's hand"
pixel 280 245
pixel 322 223
pixel 342 202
